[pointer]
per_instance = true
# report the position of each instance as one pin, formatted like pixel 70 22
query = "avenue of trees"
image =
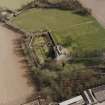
pixel 74 5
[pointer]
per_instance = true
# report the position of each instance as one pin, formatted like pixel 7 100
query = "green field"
pixel 68 28
pixel 13 4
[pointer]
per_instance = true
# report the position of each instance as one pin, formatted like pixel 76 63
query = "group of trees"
pixel 61 83
pixel 74 5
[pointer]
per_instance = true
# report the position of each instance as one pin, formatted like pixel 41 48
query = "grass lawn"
pixel 13 4
pixel 86 33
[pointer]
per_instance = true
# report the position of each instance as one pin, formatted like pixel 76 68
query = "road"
pixel 14 85
pixel 97 7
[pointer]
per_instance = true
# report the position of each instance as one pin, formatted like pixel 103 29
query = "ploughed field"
pixel 68 28
pixel 13 4
pixel 15 87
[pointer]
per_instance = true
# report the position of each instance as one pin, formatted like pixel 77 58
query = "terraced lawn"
pixel 13 4
pixel 68 28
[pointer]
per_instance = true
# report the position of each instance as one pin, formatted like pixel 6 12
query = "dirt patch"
pixel 15 88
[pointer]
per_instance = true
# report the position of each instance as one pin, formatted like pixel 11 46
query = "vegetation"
pixel 71 30
pixel 81 33
pixel 62 83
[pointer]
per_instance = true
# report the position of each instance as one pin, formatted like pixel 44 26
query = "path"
pixel 14 87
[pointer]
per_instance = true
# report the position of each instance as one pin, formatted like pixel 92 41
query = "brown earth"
pixel 14 84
